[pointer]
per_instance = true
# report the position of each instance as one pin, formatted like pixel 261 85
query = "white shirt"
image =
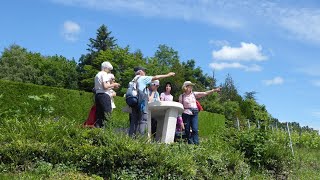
pixel 101 77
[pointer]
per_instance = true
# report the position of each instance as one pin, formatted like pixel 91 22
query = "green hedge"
pixel 71 104
pixel 74 104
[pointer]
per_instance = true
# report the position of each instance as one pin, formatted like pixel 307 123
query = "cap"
pixel 139 68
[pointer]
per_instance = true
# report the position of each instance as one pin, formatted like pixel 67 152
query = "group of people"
pixel 147 87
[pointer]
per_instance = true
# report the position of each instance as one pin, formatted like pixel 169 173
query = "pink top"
pixel 189 101
pixel 165 97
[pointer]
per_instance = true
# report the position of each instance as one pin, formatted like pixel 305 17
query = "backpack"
pixel 132 96
pixel 91 118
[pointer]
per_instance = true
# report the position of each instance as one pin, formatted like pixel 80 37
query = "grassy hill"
pixel 42 138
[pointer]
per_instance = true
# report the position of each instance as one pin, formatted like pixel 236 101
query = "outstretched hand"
pixel 171 74
pixel 218 89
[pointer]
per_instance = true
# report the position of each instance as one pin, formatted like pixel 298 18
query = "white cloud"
pixel 316 113
pixel 316 83
pixel 247 52
pixel 275 81
pixel 209 12
pixel 235 65
pixel 311 70
pixel 302 23
pixel 71 30
pixel 219 43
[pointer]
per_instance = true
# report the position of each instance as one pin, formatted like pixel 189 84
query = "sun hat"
pixel 187 83
pixel 155 83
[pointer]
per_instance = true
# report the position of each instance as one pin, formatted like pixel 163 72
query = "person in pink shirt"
pixel 190 113
pixel 166 96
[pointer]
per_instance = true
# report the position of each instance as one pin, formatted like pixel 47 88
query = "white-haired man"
pixel 102 98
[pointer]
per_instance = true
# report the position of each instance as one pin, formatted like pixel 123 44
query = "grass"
pixel 306 164
pixel 43 147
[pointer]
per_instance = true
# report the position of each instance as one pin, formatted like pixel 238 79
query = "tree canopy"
pixel 18 64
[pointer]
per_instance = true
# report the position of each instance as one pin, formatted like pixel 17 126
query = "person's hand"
pixel 116 85
pixel 217 89
pixel 171 74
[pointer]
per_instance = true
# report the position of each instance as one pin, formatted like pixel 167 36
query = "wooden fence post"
pixel 290 139
pixel 238 124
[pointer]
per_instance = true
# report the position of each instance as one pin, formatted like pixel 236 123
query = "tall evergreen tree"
pixel 229 91
pixel 86 67
pixel 250 95
pixel 103 41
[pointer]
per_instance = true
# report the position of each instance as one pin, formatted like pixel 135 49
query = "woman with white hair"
pixel 190 114
pixel 102 98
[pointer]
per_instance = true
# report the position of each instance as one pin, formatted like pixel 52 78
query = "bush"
pixel 262 150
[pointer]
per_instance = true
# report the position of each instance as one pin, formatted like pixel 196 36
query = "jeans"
pixel 103 111
pixel 191 121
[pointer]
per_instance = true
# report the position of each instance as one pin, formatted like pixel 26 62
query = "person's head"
pixel 168 87
pixel 140 71
pixel 106 66
pixel 112 78
pixel 187 86
pixel 154 85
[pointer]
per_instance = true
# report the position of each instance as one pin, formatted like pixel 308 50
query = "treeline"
pixel 19 64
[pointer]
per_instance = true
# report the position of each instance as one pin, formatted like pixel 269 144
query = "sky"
pixel 271 47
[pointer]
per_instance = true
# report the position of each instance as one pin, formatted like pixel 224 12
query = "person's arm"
pixel 158 97
pixel 182 125
pixel 180 99
pixel 107 85
pixel 163 76
pixel 161 96
pixel 151 96
pixel 202 94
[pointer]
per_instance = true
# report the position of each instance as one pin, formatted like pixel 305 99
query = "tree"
pixel 14 65
pixel 229 91
pixel 103 42
pixel 17 64
pixel 250 95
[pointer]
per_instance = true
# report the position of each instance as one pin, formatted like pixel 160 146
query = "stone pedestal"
pixel 165 113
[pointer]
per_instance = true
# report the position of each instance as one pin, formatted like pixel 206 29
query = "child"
pixel 179 128
pixel 110 91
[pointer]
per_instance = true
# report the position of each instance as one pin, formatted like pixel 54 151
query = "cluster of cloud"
pixel 230 57
pixel 208 12
pixel 302 23
pixel 71 31
pixel 275 81
pixel 316 114
pixel 312 72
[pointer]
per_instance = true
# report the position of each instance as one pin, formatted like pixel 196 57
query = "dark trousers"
pixel 138 122
pixel 191 121
pixel 103 112
pixel 139 116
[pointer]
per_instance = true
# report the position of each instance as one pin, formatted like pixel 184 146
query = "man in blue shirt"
pixel 139 116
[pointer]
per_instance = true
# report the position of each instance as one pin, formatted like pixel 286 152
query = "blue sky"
pixel 271 47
